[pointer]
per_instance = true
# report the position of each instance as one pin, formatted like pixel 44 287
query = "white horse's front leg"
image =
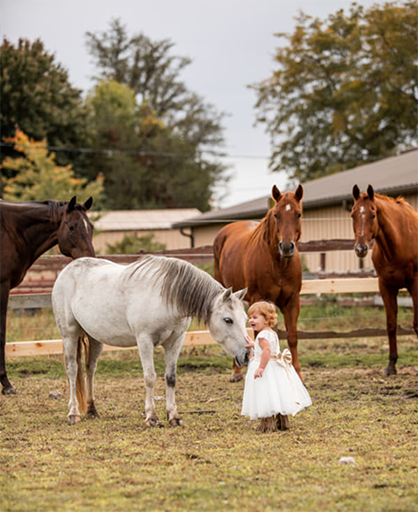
pixel 171 355
pixel 146 353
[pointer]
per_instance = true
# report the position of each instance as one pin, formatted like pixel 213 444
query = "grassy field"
pixel 217 461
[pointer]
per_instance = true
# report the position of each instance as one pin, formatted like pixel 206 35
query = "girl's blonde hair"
pixel 267 309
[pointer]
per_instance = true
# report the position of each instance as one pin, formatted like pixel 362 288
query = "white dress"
pixel 279 390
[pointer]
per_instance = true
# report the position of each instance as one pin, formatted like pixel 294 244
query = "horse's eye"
pixel 275 215
pixel 373 216
pixel 299 215
pixel 228 320
pixel 71 228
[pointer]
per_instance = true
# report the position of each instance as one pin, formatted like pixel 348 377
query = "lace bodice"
pixel 272 338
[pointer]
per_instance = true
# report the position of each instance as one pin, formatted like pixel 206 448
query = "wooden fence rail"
pixel 328 286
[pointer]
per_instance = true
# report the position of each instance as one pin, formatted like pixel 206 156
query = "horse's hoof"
pixel 73 419
pixel 153 422
pixel 390 370
pixel 9 391
pixel 236 377
pixel 92 415
pixel 176 422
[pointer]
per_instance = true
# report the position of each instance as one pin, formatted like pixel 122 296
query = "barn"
pixel 111 227
pixel 327 204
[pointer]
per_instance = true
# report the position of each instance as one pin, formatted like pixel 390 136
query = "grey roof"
pixel 132 220
pixel 391 176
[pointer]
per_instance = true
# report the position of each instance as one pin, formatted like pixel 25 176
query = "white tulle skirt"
pixel 278 391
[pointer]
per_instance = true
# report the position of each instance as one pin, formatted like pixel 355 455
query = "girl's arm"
pixel 265 357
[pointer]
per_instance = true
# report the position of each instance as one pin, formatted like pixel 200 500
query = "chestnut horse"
pixel 393 224
pixel 27 231
pixel 263 258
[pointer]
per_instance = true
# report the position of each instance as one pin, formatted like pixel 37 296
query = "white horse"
pixel 148 303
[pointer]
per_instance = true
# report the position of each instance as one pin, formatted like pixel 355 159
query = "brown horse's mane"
pixel 54 208
pixel 398 201
pixel 265 227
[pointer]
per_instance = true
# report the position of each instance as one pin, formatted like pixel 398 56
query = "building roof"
pixel 143 220
pixel 392 176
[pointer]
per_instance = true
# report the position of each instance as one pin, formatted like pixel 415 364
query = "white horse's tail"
pixel 81 392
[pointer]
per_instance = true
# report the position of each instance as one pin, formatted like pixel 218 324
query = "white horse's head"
pixel 227 324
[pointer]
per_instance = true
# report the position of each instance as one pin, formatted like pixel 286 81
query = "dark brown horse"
pixel 393 224
pixel 27 231
pixel 263 258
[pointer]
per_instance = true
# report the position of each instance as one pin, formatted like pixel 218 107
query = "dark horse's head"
pixel 364 215
pixel 75 232
pixel 287 213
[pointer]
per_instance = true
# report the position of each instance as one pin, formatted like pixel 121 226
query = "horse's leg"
pixel 7 388
pixel 71 348
pixel 236 373
pixel 389 297
pixel 94 351
pixel 290 314
pixel 413 290
pixel 146 353
pixel 171 355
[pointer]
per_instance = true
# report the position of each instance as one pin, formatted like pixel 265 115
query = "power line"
pixel 110 152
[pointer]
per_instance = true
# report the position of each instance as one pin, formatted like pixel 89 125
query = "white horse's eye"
pixel 228 320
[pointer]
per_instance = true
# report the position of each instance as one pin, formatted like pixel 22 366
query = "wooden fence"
pixel 27 295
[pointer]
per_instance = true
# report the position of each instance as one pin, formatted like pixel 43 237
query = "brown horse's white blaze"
pixel 393 225
pixel 365 224
pixel 263 257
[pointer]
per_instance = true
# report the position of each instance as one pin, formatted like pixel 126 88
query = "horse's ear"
pixel 71 204
pixel 370 192
pixel 227 294
pixel 299 193
pixel 89 203
pixel 275 193
pixel 356 192
pixel 241 294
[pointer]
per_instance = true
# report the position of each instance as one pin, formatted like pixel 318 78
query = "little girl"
pixel 272 386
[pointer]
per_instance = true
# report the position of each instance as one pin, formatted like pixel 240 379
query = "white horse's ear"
pixel 226 294
pixel 241 294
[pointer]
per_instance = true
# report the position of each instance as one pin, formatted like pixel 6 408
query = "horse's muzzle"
pixel 361 250
pixel 287 249
pixel 242 361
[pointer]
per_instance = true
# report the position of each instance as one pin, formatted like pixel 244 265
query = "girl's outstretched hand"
pixel 250 342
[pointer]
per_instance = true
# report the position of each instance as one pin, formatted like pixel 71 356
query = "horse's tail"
pixel 81 392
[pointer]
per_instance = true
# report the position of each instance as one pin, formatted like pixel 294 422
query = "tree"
pixel 183 126
pixel 37 98
pixel 37 177
pixel 345 91
pixel 132 244
pixel 144 162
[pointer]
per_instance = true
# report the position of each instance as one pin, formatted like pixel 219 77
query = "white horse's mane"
pixel 192 290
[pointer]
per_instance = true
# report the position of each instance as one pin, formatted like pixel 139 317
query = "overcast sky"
pixel 231 44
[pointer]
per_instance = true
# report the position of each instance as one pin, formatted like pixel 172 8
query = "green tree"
pixel 37 177
pixel 37 98
pixel 146 164
pixel 183 125
pixel 345 91
pixel 132 244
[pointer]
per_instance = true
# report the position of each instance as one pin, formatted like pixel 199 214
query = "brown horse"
pixel 263 258
pixel 393 224
pixel 27 231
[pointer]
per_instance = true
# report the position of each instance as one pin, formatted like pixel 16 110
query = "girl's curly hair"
pixel 267 309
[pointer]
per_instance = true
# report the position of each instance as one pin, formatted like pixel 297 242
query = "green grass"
pixel 217 461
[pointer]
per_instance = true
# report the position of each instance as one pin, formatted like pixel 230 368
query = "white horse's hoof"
pixel 73 419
